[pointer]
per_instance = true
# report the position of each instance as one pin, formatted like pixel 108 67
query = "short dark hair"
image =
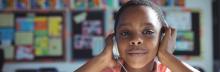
pixel 140 3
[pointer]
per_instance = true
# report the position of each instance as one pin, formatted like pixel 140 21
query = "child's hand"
pixel 106 54
pixel 168 42
pixel 165 53
pixel 103 62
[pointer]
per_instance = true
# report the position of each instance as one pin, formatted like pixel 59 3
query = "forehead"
pixel 139 15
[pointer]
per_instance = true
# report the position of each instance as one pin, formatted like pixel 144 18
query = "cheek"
pixel 151 45
pixel 122 46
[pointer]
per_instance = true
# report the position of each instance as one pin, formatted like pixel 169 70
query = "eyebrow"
pixel 150 25
pixel 123 24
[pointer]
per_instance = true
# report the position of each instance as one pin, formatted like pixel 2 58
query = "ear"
pixel 162 32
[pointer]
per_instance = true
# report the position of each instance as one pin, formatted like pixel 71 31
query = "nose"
pixel 136 41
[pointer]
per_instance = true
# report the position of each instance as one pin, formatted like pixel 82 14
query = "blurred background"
pixel 61 35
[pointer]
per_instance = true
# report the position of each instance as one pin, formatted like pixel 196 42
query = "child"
pixel 145 43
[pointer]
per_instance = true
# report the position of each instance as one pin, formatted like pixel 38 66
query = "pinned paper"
pixel 8 52
pixel 40 23
pixel 41 33
pixel 55 47
pixel 24 24
pixel 80 17
pixel 41 45
pixel 6 20
pixel 55 26
pixel 41 42
pixel 6 33
pixel 42 52
pixel 24 38
pixel 24 53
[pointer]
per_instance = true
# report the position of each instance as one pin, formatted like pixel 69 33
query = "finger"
pixel 173 32
pixel 109 44
pixel 167 33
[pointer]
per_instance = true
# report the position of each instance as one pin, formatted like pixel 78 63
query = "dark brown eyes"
pixel 148 32
pixel 145 32
pixel 124 34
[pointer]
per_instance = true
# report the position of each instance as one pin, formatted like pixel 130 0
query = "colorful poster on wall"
pixel 6 20
pixel 55 47
pixel 24 53
pixel 88 28
pixel 41 43
pixel 7 4
pixel 41 46
pixel 22 4
pixel 55 26
pixel 92 27
pixel 24 24
pixel 32 36
pixel 82 42
pixel 8 52
pixel 40 23
pixel 40 4
pixel 6 34
pixel 24 38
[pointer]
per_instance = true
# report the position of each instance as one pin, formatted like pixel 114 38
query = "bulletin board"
pixel 33 35
pixel 87 33
pixel 187 23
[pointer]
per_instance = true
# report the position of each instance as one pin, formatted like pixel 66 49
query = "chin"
pixel 137 66
pixel 137 63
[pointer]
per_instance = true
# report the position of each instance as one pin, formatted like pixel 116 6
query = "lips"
pixel 137 50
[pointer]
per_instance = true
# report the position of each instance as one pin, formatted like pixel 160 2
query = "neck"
pixel 147 68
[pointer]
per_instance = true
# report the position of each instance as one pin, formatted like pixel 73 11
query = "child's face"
pixel 138 33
